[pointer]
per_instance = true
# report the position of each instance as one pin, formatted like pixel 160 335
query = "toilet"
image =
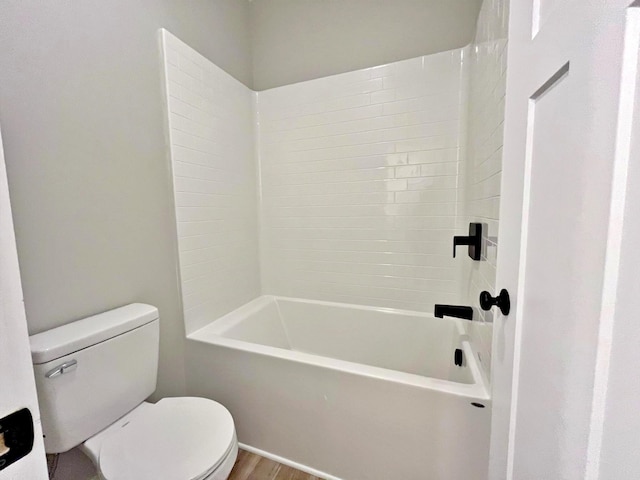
pixel 93 376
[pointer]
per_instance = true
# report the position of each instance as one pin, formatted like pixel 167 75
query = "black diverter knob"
pixel 502 301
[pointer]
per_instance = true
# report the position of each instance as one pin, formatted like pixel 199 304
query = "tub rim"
pixel 211 334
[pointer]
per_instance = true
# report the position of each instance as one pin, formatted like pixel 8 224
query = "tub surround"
pixel 211 132
pixel 359 184
pixel 481 171
pixel 346 191
pixel 346 188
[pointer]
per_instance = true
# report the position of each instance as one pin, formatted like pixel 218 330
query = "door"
pixel 571 76
pixel 17 384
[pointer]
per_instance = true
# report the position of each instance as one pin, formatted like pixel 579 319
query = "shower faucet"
pixel 458 311
pixel 473 241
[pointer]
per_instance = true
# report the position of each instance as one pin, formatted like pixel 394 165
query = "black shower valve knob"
pixel 473 241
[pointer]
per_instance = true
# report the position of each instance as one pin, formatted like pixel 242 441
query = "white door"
pixel 17 385
pixel 567 131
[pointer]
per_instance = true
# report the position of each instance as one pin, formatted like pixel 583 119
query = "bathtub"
pixel 347 392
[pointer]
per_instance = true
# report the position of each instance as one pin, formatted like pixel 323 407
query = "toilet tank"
pixel 92 371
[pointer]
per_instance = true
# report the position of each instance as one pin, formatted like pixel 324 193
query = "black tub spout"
pixel 458 311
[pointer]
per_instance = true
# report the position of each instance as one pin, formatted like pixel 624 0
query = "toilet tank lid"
pixel 74 336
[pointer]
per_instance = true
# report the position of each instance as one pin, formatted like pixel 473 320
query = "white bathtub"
pixel 347 392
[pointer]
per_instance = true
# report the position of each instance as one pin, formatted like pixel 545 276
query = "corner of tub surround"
pixel 167 38
pixel 480 377
pixel 260 106
pixel 230 318
pixel 462 327
pixel 219 269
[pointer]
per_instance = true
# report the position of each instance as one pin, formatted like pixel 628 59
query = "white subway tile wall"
pixel 360 182
pixel 483 166
pixel 211 123
pixel 359 185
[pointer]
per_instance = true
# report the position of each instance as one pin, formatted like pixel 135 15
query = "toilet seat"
pixel 177 439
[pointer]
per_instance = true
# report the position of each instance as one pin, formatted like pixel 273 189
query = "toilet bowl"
pixel 180 438
pixel 93 376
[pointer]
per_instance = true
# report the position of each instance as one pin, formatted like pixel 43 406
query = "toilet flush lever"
pixel 66 367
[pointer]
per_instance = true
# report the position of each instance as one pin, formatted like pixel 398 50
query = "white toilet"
pixel 93 376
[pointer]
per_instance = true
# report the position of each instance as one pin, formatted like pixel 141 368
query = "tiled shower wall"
pixel 211 125
pixel 363 179
pixel 359 193
pixel 483 166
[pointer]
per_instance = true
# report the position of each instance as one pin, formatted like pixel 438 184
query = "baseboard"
pixel 287 462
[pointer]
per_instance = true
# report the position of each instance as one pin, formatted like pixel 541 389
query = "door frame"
pixel 16 370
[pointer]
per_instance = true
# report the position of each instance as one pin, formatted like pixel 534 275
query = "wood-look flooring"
pixel 250 466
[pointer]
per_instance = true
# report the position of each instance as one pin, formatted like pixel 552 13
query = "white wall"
pixel 299 40
pixel 211 125
pixel 359 186
pixel 483 161
pixel 83 124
